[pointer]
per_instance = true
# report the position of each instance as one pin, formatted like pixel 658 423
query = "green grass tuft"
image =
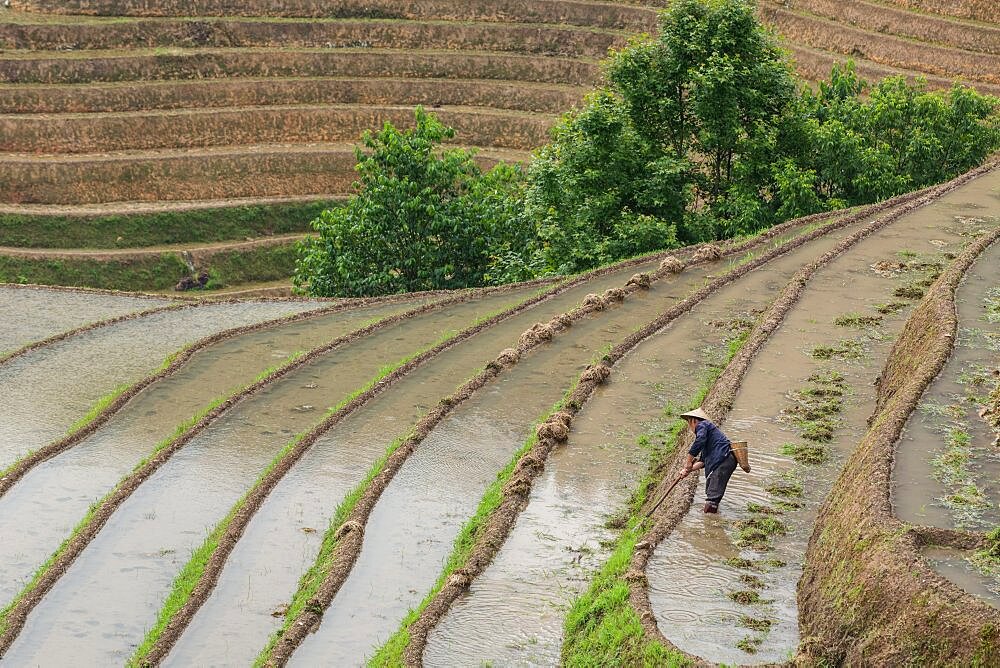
pixel 909 291
pixel 845 349
pixel 889 308
pixel 761 625
pixel 857 320
pixel 99 406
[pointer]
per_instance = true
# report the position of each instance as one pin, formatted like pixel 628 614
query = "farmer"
pixel 715 451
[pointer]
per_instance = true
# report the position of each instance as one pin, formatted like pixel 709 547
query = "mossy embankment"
pixel 247 262
pixel 189 225
pixel 866 595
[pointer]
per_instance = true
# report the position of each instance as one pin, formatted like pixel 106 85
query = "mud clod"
pixel 633 575
pixel 707 253
pixel 539 332
pixel 553 430
pixel 614 295
pixel 672 265
pixel 563 320
pixel 518 487
pixel 593 302
pixel 508 357
pixel 348 527
pixel 640 280
pixel 459 578
pixel 597 373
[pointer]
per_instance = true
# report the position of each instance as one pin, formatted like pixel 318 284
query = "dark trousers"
pixel 717 480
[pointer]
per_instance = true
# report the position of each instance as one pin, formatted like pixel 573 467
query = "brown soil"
pixel 227 33
pixel 274 170
pixel 720 398
pixel 144 65
pixel 979 10
pixel 194 128
pixel 881 48
pixel 866 595
pixel 523 96
pixel 571 12
pixel 815 65
pixel 924 27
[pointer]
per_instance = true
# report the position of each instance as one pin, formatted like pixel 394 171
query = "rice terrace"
pixel 375 332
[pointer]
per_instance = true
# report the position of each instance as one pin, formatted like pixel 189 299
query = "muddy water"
pixel 513 614
pixel 689 581
pixel 278 546
pixel 956 566
pixel 112 593
pixel 47 390
pixel 920 494
pixel 31 315
pixel 35 523
pixel 411 531
pixel 264 569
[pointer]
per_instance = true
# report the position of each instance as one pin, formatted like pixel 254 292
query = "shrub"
pixel 424 218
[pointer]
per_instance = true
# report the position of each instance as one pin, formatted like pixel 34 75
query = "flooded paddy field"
pixel 47 390
pixel 947 470
pixel 513 614
pixel 34 314
pixel 723 587
pixel 77 477
pixel 284 536
pixel 410 532
pixel 959 567
pixel 112 592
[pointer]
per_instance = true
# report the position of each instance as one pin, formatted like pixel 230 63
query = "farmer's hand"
pixel 685 471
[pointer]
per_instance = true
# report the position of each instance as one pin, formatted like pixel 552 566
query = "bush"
pixel 424 218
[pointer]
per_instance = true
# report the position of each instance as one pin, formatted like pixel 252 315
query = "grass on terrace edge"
pixel 391 653
pixel 88 518
pixel 193 570
pixel 96 409
pixel 602 628
pixel 139 230
pixel 155 272
pixel 311 580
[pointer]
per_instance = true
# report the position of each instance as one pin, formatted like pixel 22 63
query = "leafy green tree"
pixel 898 138
pixel 679 147
pixel 424 218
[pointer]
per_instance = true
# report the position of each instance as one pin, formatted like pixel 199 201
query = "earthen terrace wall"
pixel 572 12
pixel 867 596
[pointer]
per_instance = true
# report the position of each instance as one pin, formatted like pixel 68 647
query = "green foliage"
pixel 898 138
pixel 424 218
pixel 699 133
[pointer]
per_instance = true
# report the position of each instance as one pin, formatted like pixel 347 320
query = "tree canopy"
pixel 699 133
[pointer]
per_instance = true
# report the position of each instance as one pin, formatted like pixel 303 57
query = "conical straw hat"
pixel 696 413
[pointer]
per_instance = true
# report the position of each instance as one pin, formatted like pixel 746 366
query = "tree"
pixel 679 147
pixel 424 218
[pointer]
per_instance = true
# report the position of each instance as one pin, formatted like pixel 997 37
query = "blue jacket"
pixel 711 444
